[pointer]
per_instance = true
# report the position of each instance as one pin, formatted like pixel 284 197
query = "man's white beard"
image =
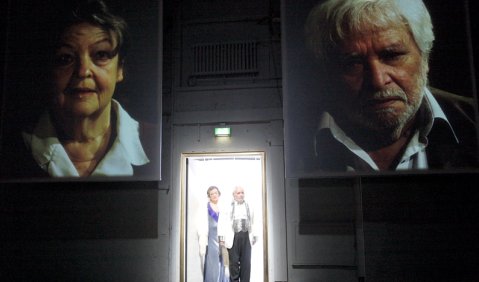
pixel 388 125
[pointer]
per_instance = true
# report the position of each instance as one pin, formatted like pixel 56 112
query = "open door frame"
pixel 188 206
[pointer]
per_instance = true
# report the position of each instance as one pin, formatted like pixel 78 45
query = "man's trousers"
pixel 240 258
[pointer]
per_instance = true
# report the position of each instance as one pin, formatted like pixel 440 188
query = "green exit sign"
pixel 222 131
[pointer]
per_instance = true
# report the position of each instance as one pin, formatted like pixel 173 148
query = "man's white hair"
pixel 330 22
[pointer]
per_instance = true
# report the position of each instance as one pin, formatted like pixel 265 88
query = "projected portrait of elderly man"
pixel 381 113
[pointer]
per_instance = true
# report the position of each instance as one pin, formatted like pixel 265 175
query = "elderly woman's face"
pixel 86 70
pixel 214 195
pixel 382 75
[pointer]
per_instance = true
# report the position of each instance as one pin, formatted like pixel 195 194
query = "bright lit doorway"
pixel 224 170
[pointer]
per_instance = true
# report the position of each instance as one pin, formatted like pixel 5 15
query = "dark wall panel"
pixel 78 210
pixel 421 227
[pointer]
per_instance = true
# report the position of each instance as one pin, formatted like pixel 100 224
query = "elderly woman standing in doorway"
pixel 207 227
pixel 85 132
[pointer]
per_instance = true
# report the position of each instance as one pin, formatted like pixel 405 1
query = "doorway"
pixel 225 171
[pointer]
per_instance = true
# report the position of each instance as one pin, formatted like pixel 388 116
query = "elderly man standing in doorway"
pixel 236 231
pixel 381 114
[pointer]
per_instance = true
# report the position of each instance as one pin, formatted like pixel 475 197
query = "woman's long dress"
pixel 214 268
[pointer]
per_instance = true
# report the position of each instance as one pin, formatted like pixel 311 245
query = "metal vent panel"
pixel 216 59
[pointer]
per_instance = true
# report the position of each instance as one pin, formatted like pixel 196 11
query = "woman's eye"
pixel 102 56
pixel 64 59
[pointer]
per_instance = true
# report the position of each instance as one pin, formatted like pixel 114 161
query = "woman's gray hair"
pixel 211 188
pixel 64 14
pixel 332 21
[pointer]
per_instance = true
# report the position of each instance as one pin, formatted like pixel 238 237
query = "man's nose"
pixel 377 75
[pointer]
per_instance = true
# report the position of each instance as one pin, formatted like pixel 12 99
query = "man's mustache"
pixel 383 95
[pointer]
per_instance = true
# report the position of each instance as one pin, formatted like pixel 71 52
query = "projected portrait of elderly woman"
pixel 83 130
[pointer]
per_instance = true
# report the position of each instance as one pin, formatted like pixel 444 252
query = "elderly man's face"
pixel 381 76
pixel 238 194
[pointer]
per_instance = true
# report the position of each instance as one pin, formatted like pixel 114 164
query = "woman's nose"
pixel 84 68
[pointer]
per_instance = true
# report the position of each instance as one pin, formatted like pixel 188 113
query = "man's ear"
pixel 425 63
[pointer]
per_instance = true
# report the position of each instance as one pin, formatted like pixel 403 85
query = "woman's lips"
pixel 81 92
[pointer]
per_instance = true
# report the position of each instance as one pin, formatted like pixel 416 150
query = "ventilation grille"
pixel 218 59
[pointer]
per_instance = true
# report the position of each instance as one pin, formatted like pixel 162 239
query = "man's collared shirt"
pixel 125 151
pixel 414 156
pixel 240 211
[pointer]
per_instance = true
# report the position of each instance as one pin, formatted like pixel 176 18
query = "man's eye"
pixel 352 64
pixel 64 59
pixel 351 60
pixel 392 56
